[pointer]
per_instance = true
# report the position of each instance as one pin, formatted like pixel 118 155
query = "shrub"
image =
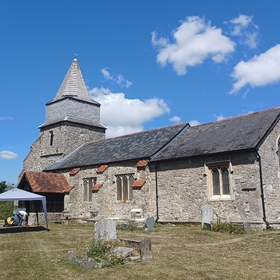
pixel 101 251
pixel 227 228
pixel 6 209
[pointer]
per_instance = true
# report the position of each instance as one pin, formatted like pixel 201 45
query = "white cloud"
pixel 175 119
pixel 106 74
pixel 220 117
pixel 259 71
pixel 121 115
pixel 244 28
pixel 8 155
pixel 120 80
pixel 6 118
pixel 195 40
pixel 194 123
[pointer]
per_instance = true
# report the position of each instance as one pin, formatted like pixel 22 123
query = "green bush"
pixel 6 209
pixel 227 228
pixel 101 250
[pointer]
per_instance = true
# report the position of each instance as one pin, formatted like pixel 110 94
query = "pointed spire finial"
pixel 75 56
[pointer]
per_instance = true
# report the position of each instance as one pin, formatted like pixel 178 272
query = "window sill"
pixel 220 197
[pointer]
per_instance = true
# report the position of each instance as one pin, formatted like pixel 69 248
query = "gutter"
pixel 157 212
pixel 262 192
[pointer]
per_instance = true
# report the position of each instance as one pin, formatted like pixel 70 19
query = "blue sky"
pixel 149 63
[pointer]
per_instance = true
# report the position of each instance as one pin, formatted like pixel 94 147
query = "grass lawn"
pixel 180 252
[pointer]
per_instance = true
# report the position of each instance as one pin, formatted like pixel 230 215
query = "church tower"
pixel 72 118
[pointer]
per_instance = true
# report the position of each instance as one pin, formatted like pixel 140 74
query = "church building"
pixel 169 173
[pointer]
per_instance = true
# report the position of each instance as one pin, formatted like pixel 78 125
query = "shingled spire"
pixel 72 101
pixel 73 85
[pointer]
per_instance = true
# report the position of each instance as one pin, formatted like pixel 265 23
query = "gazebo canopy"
pixel 18 194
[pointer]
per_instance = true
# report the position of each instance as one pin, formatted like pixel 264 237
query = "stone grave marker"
pixel 145 246
pixel 206 216
pixel 105 229
pixel 150 224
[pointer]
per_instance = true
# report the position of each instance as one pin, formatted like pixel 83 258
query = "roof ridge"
pixel 239 116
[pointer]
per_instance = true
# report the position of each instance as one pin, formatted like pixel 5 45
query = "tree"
pixel 3 186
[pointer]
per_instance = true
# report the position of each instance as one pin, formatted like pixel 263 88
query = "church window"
pixel 51 136
pixel 88 183
pixel 124 187
pixel 278 153
pixel 219 181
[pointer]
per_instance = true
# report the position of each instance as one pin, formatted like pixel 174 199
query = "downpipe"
pixel 262 191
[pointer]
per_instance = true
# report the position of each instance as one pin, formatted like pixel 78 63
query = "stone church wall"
pixel 104 201
pixel 67 136
pixel 269 154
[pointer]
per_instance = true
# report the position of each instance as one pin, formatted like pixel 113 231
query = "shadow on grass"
pixel 21 229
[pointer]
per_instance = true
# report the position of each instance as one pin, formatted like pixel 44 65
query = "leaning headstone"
pixel 105 229
pixel 206 216
pixel 150 224
pixel 145 247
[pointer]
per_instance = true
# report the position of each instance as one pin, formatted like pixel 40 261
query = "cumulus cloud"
pixel 8 155
pixel 6 119
pixel 259 71
pixel 244 28
pixel 120 80
pixel 194 123
pixel 219 117
pixel 121 115
pixel 175 119
pixel 195 40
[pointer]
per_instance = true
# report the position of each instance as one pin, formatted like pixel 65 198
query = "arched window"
pixel 220 181
pixel 124 187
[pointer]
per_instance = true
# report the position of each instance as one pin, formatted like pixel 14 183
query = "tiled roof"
pixel 42 182
pixel 96 187
pixel 133 146
pixel 101 168
pixel 138 183
pixel 74 171
pixel 234 134
pixel 73 85
pixel 142 163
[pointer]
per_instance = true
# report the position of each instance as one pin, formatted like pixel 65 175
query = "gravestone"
pixel 206 216
pixel 150 224
pixel 105 229
pixel 145 247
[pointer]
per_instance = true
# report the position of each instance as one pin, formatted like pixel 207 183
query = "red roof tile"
pixel 101 168
pixel 142 163
pixel 96 187
pixel 138 183
pixel 43 182
pixel 74 171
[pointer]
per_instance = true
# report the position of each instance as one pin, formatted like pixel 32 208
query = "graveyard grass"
pixel 179 252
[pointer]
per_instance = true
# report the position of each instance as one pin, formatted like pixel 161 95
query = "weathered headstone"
pixel 150 224
pixel 247 226
pixel 145 247
pixel 206 216
pixel 105 229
